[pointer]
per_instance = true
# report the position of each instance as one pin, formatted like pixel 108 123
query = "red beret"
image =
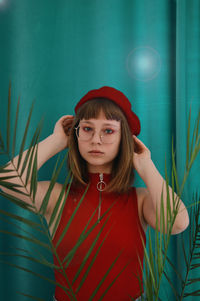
pixel 120 99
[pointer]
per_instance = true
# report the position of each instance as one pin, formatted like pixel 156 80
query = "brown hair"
pixel 122 172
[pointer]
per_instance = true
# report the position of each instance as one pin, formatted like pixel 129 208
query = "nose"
pixel 96 138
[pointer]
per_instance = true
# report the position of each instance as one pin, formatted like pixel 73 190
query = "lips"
pixel 95 152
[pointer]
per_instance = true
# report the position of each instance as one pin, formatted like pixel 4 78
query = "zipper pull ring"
pixel 101 185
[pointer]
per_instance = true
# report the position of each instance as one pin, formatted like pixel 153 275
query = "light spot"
pixel 4 4
pixel 143 63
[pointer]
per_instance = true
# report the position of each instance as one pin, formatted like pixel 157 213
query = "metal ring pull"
pixel 101 185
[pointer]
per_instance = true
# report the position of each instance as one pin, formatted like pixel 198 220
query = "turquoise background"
pixel 53 52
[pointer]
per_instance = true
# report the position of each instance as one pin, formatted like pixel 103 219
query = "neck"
pixel 100 169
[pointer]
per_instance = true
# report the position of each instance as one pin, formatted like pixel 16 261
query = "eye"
pixel 87 129
pixel 109 131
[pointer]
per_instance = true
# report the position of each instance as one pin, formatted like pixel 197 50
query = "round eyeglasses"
pixel 86 133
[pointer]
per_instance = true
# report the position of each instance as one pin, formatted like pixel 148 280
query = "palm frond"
pixel 27 163
pixel 188 141
pixel 58 203
pixel 8 120
pixel 71 218
pixel 104 277
pixel 17 201
pixel 89 252
pixel 25 221
pixel 30 296
pixel 15 129
pixel 193 260
pixel 30 258
pixel 2 146
pixel 189 256
pixel 27 238
pixel 22 147
pixel 174 289
pixel 54 178
pixel 155 255
pixel 84 235
pixel 158 255
pixel 9 263
pixel 114 280
pixel 91 264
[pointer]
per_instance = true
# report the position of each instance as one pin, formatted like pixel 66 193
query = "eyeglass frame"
pixel 76 129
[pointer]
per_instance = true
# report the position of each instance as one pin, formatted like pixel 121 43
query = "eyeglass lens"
pixel 85 133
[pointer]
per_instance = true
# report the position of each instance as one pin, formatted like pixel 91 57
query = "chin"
pixel 99 166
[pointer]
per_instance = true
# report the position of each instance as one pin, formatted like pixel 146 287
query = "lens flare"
pixel 143 63
pixel 3 4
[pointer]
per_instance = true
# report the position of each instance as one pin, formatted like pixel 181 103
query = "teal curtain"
pixel 53 52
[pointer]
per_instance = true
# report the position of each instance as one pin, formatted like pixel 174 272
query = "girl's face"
pixel 98 154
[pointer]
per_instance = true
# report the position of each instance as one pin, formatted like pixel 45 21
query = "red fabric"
pixel 123 234
pixel 120 99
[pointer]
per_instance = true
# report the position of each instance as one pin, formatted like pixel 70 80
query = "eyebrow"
pixel 104 124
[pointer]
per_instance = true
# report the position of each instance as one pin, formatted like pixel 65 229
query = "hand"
pixel 62 128
pixel 141 156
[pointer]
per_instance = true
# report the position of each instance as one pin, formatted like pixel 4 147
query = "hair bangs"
pixel 92 109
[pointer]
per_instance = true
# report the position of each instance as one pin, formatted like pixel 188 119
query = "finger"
pixel 139 142
pixel 139 147
pixel 67 126
pixel 66 117
pixel 136 138
pixel 67 121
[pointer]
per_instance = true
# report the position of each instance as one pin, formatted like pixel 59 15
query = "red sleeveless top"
pixel 121 238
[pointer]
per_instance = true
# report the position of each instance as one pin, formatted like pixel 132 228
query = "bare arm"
pixel 47 148
pixel 156 186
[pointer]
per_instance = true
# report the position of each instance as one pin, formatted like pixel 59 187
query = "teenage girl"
pixel 103 153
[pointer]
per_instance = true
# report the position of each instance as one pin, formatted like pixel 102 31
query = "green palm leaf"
pixel 29 164
pixel 54 178
pixel 16 200
pixel 15 128
pixel 33 273
pixel 91 264
pixel 30 258
pixel 30 153
pixel 68 258
pixel 155 257
pixel 24 137
pixel 84 235
pixel 8 119
pixel 56 209
pixel 104 277
pixel 27 238
pixel 110 285
pixel 25 221
pixel 2 147
pixel 30 297
pixel 89 252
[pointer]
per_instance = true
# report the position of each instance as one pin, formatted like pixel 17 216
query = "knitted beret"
pixel 117 97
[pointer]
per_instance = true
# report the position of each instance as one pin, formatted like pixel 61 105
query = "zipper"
pixel 100 187
pixel 99 209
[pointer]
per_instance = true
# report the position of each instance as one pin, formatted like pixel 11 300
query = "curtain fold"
pixel 54 52
pixel 187 98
